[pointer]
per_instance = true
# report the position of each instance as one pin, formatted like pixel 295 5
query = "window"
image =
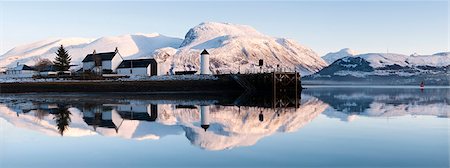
pixel 131 71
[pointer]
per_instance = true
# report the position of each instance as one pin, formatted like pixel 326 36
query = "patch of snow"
pixel 378 60
pixel 358 74
pixel 333 56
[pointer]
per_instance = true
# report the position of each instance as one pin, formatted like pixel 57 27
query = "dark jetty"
pixel 229 83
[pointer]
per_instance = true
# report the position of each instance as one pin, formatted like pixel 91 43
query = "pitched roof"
pixel 99 122
pixel 136 63
pixel 26 67
pixel 103 56
pixel 129 115
pixel 21 67
pixel 204 52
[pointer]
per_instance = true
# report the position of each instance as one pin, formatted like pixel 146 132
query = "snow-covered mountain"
pixel 130 46
pixel 384 68
pixel 232 47
pixel 333 56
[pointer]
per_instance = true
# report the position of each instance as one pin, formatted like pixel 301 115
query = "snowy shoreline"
pixel 152 78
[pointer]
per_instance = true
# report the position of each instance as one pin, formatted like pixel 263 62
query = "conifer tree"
pixel 62 119
pixel 62 60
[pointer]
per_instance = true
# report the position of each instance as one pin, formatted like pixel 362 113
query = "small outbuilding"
pixel 21 70
pixel 138 67
pixel 48 70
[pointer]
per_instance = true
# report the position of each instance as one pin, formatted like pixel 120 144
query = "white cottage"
pixel 138 67
pixel 102 62
pixel 21 71
pixel 102 116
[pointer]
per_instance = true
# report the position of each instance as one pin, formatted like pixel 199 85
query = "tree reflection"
pixel 62 118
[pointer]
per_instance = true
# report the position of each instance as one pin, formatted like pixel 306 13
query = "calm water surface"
pixel 328 127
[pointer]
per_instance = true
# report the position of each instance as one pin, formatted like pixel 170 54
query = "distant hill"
pixel 382 68
pixel 333 56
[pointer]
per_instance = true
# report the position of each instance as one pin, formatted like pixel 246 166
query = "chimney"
pixel 95 52
pixel 116 50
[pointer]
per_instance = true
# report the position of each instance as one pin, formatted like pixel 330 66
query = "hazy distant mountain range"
pixel 383 68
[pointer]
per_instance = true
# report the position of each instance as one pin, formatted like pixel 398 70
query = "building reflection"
pixel 209 124
pixel 98 115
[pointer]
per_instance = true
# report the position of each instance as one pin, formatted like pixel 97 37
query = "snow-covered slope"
pixel 378 60
pixel 233 47
pixel 130 46
pixel 333 56
pixel 388 69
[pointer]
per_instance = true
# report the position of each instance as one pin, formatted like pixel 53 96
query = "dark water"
pixel 328 127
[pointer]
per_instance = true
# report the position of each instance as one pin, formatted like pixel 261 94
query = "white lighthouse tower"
pixel 204 117
pixel 204 63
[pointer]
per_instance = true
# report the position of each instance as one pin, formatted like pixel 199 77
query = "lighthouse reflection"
pixel 213 124
pixel 207 121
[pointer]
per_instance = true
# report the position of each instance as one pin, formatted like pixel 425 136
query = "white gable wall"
pixel 162 70
pixel 115 62
pixel 116 118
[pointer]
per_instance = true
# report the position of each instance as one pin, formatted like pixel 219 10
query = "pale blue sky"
pixel 369 26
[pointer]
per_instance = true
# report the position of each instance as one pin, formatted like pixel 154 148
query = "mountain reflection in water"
pixel 211 123
pixel 347 103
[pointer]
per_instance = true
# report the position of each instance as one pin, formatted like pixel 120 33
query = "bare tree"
pixel 41 63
